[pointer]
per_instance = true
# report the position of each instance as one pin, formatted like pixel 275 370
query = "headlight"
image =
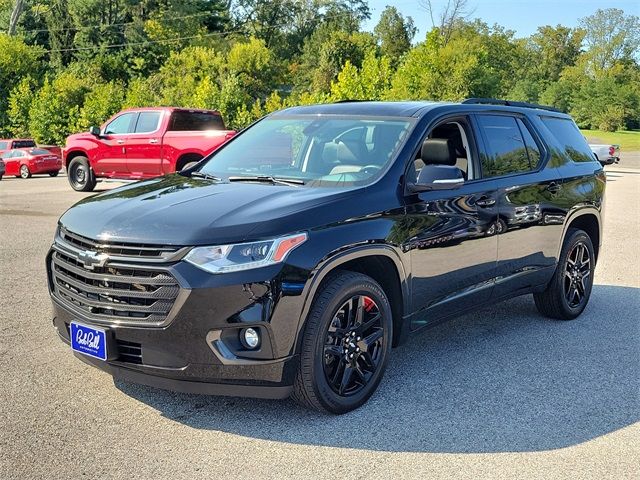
pixel 244 256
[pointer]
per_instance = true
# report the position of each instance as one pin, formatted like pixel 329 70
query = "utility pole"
pixel 15 16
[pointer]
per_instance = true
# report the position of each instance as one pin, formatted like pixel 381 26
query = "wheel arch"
pixel 187 157
pixel 73 154
pixel 588 220
pixel 383 264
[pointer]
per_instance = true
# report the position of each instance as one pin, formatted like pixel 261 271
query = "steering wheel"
pixel 370 169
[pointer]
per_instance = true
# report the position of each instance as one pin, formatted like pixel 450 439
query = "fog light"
pixel 249 338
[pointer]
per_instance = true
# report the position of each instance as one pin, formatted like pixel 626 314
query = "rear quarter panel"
pixel 177 144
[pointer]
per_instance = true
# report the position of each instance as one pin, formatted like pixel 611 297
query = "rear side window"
pixel 195 121
pixel 568 135
pixel 39 151
pixel 24 144
pixel 147 122
pixel 506 151
pixel 120 124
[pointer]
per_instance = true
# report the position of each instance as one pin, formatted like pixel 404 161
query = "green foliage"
pixel 394 34
pixel 99 104
pixel 55 108
pixel 370 82
pixel 17 61
pixel 73 63
pixel 20 101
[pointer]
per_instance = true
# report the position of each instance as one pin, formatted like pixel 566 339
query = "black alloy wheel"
pixel 568 291
pixel 346 344
pixel 354 344
pixel 576 274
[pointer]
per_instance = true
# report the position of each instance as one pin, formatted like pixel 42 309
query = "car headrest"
pixel 438 151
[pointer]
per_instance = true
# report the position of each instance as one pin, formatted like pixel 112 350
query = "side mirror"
pixel 95 131
pixel 437 177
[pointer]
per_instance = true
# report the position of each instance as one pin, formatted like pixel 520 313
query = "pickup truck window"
pixel 120 124
pixel 148 122
pixel 24 144
pixel 4 145
pixel 506 152
pixel 195 121
pixel 568 135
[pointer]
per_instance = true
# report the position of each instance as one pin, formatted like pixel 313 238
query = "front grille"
pixel 113 293
pixel 129 352
pixel 118 249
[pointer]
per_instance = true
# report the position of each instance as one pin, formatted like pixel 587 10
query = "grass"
pixel 629 140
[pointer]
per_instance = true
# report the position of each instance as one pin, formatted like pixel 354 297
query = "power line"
pixel 87 27
pixel 146 42
pixel 176 39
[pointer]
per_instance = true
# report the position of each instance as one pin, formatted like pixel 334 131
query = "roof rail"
pixel 509 103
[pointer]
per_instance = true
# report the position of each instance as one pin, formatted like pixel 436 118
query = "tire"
pixel 81 177
pixel 340 365
pixel 0 178
pixel 187 166
pixel 25 172
pixel 568 292
pixel 53 174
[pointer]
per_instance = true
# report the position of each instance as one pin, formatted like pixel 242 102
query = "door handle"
pixel 554 187
pixel 119 141
pixel 153 140
pixel 485 202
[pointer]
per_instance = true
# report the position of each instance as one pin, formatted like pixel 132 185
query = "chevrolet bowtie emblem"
pixel 90 259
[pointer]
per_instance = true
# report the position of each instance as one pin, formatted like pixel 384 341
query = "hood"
pixel 178 210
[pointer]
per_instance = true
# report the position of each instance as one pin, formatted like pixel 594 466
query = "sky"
pixel 522 16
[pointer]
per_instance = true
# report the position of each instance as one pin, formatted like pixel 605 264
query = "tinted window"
pixel 567 133
pixel 4 145
pixel 195 121
pixel 24 144
pixel 120 124
pixel 39 151
pixel 147 122
pixel 506 151
pixel 18 153
pixel 533 150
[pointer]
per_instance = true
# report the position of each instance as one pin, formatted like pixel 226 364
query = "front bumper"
pixel 197 350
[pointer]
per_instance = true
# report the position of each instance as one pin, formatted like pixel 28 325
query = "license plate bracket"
pixel 90 341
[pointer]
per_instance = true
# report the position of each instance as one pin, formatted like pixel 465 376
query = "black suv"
pixel 291 260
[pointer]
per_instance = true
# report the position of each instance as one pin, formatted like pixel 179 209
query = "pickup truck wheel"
pixel 346 344
pixel 188 165
pixel 569 290
pixel 24 172
pixel 80 175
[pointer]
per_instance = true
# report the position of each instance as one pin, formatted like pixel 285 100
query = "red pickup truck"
pixel 142 143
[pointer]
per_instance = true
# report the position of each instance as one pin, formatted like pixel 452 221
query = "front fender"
pixel 333 262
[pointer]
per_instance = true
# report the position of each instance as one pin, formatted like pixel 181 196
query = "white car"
pixel 606 154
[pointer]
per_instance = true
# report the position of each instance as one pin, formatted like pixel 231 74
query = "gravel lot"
pixel 501 393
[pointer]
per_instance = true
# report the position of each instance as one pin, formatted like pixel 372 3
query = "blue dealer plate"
pixel 88 340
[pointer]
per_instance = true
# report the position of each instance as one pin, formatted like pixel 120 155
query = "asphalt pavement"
pixel 500 393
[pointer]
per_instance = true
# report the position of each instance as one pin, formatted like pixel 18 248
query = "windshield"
pixel 321 151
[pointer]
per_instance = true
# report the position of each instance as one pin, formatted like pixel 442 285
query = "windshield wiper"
pixel 267 179
pixel 206 176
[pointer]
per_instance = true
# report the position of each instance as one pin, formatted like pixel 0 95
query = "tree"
pixel 454 12
pixel 100 103
pixel 55 108
pixel 556 48
pixel 20 101
pixel 611 36
pixel 17 61
pixel 394 34
pixel 15 16
pixel 371 82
